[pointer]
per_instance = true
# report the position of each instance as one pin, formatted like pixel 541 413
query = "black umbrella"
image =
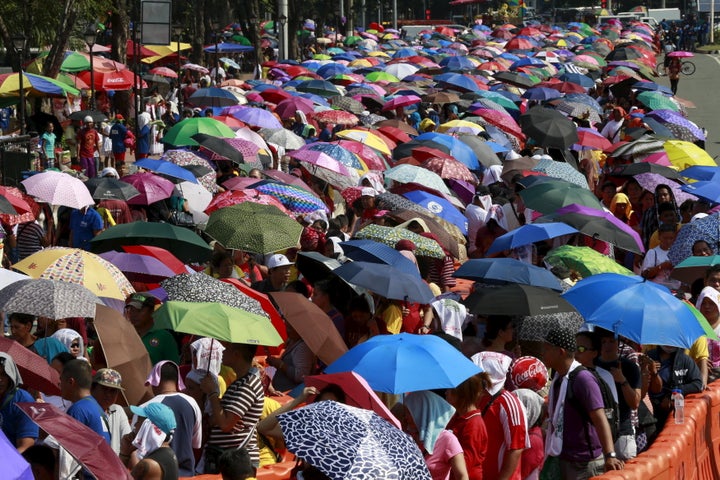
pixel 197 170
pixel 151 77
pixel 103 188
pixel 633 169
pixel 6 206
pixel 97 116
pixel 623 54
pixel 514 78
pixel 482 150
pixel 516 299
pixel 405 149
pixel 219 146
pixel 549 128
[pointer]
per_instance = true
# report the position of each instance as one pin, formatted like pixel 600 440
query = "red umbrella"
pixel 357 392
pixel 23 204
pixel 501 120
pixel 275 95
pixel 86 446
pixel 230 121
pixel 35 371
pixel 287 108
pixel 170 260
pixel 593 140
pixel 399 124
pixel 233 197
pixel 424 153
pixel 114 80
pixel 564 87
pixel 502 34
pixel 144 51
pixel 395 134
pixel 519 44
pixel 337 117
pixel 164 72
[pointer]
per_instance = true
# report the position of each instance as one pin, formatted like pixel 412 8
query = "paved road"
pixel 702 88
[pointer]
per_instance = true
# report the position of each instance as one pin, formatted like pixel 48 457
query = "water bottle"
pixel 679 402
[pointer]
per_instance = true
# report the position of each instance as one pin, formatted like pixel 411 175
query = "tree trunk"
pixel 120 21
pixel 198 34
pixel 51 66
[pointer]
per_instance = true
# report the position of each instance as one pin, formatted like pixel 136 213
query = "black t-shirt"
pixel 632 374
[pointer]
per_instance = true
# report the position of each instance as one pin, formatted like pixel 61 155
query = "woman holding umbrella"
pixel 673 70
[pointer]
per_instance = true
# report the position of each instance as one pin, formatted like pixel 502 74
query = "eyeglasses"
pixel 581 349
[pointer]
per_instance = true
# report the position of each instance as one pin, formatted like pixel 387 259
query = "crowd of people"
pixel 567 404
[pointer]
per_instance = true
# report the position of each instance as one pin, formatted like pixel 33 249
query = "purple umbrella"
pixel 257 117
pixel 463 189
pixel 152 188
pixel 14 465
pixel 139 268
pixel 287 108
pixel 680 126
pixel 650 181
pixel 597 224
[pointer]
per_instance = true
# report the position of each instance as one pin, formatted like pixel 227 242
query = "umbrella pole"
pixel 212 346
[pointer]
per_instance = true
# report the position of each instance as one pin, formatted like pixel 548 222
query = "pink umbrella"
pixel 86 446
pixel 281 176
pixel 240 183
pixel 233 197
pixel 287 108
pixel 164 72
pixel 681 54
pixel 320 159
pixel 367 154
pixel 254 137
pixel 58 188
pixel 401 101
pixel 658 158
pixel 501 120
pixel 152 188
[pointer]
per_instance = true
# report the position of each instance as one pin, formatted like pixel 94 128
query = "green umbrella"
pixel 181 133
pixel 253 228
pixel 218 321
pixel 425 247
pixel 75 62
pixel 241 40
pixel 693 268
pixel 352 40
pixel 381 76
pixel 584 260
pixel 182 242
pixel 550 195
pixel 657 101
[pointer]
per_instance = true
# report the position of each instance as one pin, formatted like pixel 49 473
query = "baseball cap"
pixel 159 414
pixel 278 260
pixel 88 119
pixel 563 338
pixel 140 300
pixel 528 372
pixel 496 365
pixel 119 117
pixel 108 377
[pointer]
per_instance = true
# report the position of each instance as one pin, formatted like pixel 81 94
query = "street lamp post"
pixel 90 37
pixel 282 20
pixel 178 30
pixel 19 42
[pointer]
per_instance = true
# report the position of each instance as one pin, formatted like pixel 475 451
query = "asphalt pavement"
pixel 701 88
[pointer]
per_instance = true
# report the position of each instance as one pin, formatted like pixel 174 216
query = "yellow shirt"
pixel 699 349
pixel 392 316
pixel 266 455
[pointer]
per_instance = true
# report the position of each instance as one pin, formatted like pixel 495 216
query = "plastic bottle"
pixel 679 402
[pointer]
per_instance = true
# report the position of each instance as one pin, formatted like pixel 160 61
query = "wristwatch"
pixel 610 455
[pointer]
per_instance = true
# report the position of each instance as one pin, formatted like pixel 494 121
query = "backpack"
pixel 612 409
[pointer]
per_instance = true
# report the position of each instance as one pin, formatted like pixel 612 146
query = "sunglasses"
pixel 581 349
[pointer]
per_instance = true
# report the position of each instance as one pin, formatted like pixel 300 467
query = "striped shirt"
pixel 244 398
pixel 29 238
pixel 506 430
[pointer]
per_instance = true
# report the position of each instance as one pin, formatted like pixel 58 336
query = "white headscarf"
pixel 67 336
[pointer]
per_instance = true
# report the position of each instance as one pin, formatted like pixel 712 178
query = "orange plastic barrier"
pixel 279 471
pixel 690 451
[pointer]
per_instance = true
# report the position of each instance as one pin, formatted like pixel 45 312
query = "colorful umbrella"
pixel 707 229
pixel 34 85
pixel 367 138
pixel 204 288
pixel 390 236
pixel 584 260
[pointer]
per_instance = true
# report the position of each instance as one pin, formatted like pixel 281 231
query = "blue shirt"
pixel 89 412
pixel 118 133
pixel 83 227
pixel 15 424
pixel 143 140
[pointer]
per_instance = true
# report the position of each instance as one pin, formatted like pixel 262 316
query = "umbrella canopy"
pixel 15 466
pixel 364 445
pixel 58 188
pixel 562 171
pixel 527 234
pixel 312 324
pixel 584 260
pixel 77 266
pixel 181 134
pixel 257 117
pixel 645 312
pixel 33 85
pixel 707 229
pixel 549 128
pixel 693 268
pixel 390 363
pixel 507 270
pixel 551 195
pixel 35 370
pixel 183 243
pixel 411 174
pixel 152 188
pixel 218 321
pixel 212 97
pixel 440 207
pixel 283 137
pixel 386 281
pixel 139 268
pixel 263 229
pixel 104 188
pixel 390 236
pixel 685 154
pixel 167 169
pixel 204 288
pixel 86 446
pixel 376 252
pixel 516 299
pixel 598 224
pixel 48 298
pixel 124 351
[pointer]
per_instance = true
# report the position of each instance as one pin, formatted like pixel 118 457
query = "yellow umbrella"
pixel 78 266
pixel 360 63
pixel 685 154
pixel 460 126
pixel 163 51
pixel 378 54
pixel 368 138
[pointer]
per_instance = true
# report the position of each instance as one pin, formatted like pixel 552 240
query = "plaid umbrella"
pixel 48 298
pixel 58 188
pixel 337 117
pixel 283 137
pixel 204 288
pixel 707 229
pixel 253 228
pixel 185 158
pixel 348 104
pixel 412 174
pixel 294 198
pixel 351 443
pixel 390 236
pixel 77 266
pixel 561 170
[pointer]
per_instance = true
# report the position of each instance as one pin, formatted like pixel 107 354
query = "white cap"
pixel 109 172
pixel 277 260
pixel 698 216
pixel 88 119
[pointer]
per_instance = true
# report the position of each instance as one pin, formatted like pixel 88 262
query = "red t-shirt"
pixel 87 140
pixel 506 430
pixel 472 434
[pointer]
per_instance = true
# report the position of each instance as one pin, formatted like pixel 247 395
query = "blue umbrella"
pixel 338 153
pixel 387 281
pixel 225 47
pixel 701 172
pixel 707 228
pixel 457 81
pixel 461 151
pixel 578 78
pixel 645 312
pixel 405 52
pixel 376 252
pixel 406 363
pixel 457 64
pixel 527 61
pixel 541 93
pixel 440 207
pixel 332 69
pixel 708 189
pixel 507 270
pixel 213 97
pixel 649 86
pixel 531 233
pixel 168 169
